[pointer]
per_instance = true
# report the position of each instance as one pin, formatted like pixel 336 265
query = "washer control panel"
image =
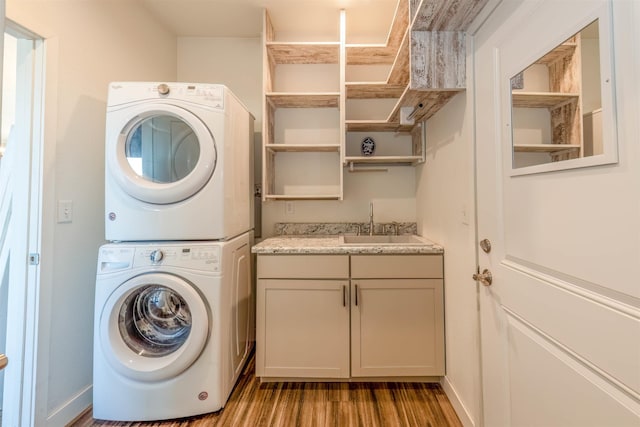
pixel 206 258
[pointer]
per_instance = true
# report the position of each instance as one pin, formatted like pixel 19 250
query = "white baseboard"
pixel 463 414
pixel 68 411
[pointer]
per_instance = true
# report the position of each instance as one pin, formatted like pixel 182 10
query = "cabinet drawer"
pixel 303 266
pixel 396 266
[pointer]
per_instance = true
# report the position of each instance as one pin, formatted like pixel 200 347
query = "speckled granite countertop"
pixel 328 244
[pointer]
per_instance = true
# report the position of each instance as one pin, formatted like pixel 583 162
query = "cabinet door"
pixel 302 328
pixel 397 327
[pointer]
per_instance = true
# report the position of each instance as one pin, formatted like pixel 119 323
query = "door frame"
pixel 24 291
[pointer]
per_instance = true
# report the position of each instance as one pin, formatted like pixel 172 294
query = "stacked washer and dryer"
pixel 173 320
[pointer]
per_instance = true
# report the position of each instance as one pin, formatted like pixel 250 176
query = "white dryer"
pixel 179 162
pixel 173 327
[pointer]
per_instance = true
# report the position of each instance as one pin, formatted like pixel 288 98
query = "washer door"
pixel 162 154
pixel 153 327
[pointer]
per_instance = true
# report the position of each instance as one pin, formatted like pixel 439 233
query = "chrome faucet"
pixel 371 219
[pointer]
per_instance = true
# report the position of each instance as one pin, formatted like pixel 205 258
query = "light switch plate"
pixel 65 211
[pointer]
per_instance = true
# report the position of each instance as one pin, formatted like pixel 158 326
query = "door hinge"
pixel 34 259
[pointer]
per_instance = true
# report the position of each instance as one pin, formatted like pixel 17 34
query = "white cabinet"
pixel 316 320
pixel 302 316
pixel 397 324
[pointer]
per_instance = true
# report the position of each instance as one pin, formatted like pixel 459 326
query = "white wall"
pixel 392 194
pixel 88 44
pixel 234 62
pixel 445 206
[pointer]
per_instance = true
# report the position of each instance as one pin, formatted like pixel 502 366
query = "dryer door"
pixel 153 327
pixel 162 154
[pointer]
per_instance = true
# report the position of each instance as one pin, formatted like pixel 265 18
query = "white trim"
pixel 70 409
pixel 48 215
pixel 570 285
pixel 458 406
pixel 35 235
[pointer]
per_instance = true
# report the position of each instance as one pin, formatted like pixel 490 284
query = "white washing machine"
pixel 179 162
pixel 173 327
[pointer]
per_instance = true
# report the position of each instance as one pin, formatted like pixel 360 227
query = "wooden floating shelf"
pixel 542 99
pixel 376 126
pixel 427 103
pixel 374 90
pixel 304 52
pixel 303 148
pixel 431 101
pixel 303 100
pixel 543 148
pixel 369 54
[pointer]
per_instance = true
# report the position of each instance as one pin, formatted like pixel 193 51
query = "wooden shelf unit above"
pixel 303 148
pixel 437 30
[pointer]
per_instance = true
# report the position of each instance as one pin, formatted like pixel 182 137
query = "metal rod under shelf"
pixel 366 169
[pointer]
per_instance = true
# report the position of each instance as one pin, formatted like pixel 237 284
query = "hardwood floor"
pixel 254 404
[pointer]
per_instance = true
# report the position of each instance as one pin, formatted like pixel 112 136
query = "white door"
pixel 20 201
pixel 560 323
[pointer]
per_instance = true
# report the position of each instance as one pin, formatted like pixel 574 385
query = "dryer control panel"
pixel 208 95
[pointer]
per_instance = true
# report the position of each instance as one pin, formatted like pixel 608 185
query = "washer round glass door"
pixel 153 327
pixel 162 155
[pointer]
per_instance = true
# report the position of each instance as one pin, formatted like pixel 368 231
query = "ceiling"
pixel 366 20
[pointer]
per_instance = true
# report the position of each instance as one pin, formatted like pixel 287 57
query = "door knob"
pixel 4 360
pixel 485 277
pixel 485 244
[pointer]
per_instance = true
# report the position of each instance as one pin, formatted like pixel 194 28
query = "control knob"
pixel 156 256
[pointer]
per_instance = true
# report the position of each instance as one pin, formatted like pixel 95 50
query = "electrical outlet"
pixel 289 208
pixel 65 211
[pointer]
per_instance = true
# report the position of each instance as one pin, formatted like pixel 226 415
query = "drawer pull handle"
pixel 356 295
pixel 344 296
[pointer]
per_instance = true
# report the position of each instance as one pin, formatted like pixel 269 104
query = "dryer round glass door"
pixel 153 327
pixel 163 154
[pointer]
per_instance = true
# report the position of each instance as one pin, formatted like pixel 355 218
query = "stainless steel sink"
pixel 382 240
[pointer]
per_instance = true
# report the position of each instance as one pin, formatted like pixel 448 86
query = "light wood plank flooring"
pixel 254 404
